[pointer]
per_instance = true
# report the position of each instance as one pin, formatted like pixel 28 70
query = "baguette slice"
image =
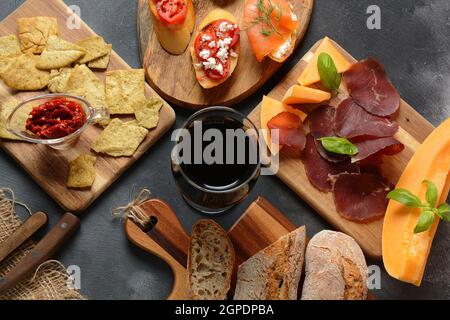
pixel 210 262
pixel 335 268
pixel 273 273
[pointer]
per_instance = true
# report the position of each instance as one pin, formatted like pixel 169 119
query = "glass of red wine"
pixel 215 160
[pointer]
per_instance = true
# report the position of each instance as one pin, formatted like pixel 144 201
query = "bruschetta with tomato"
pixel 271 27
pixel 173 22
pixel 215 51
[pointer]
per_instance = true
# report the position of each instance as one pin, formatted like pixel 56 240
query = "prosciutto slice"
pixel 369 147
pixel 369 86
pixel 360 197
pixel 321 171
pixel 353 121
pixel 290 130
pixel 321 122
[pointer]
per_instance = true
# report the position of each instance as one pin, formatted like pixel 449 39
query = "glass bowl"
pixel 17 120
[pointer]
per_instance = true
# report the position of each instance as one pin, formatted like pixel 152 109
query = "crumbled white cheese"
pixel 224 27
pixel 294 17
pixel 206 37
pixel 212 44
pixel 283 49
pixel 210 63
pixel 222 54
pixel 205 54
pixel 225 43
pixel 219 68
pixel 233 54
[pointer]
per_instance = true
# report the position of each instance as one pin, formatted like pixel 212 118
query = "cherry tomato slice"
pixel 201 44
pixel 215 75
pixel 171 11
pixel 233 34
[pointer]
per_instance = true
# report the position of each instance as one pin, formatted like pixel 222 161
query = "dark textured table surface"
pixel 413 44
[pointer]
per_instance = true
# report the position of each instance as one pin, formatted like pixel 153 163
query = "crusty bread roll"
pixel 273 273
pixel 210 262
pixel 335 268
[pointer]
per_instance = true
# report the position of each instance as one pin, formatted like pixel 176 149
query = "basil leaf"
pixel 431 194
pixel 329 75
pixel 405 197
pixel 426 219
pixel 444 212
pixel 339 145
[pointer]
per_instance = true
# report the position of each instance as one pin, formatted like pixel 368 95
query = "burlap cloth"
pixel 50 280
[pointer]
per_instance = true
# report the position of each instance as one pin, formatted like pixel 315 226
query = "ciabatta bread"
pixel 273 273
pixel 335 268
pixel 210 262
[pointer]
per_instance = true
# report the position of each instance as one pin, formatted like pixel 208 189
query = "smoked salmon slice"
pixel 269 25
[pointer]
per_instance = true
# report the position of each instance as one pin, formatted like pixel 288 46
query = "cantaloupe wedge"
pixel 311 75
pixel 405 254
pixel 174 39
pixel 299 94
pixel 205 82
pixel 269 109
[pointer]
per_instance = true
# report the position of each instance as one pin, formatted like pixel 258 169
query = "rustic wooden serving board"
pixel 173 76
pixel 414 129
pixel 48 167
pixel 261 225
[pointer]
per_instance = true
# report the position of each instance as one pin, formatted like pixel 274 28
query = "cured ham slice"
pixel 386 146
pixel 290 130
pixel 369 86
pixel 353 121
pixel 360 197
pixel 321 123
pixel 319 170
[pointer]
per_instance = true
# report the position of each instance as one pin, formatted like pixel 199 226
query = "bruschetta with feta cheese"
pixel 215 51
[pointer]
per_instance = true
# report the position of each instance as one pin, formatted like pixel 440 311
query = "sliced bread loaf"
pixel 273 273
pixel 210 262
pixel 335 268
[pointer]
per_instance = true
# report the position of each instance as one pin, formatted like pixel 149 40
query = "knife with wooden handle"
pixel 42 252
pixel 22 234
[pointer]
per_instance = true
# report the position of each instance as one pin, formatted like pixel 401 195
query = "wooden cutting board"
pixel 414 129
pixel 173 76
pixel 48 167
pixel 261 225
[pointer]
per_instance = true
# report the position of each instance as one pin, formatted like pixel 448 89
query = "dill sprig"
pixel 264 18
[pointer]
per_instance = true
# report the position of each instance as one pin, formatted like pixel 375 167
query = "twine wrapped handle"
pixel 133 212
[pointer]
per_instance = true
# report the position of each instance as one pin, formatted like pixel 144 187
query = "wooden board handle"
pixel 43 251
pixel 22 234
pixel 167 239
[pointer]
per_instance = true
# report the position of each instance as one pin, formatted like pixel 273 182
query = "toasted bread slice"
pixel 210 262
pixel 335 268
pixel 204 81
pixel 273 273
pixel 174 39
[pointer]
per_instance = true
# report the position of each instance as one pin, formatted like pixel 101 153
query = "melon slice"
pixel 269 109
pixel 298 95
pixel 311 75
pixel 405 254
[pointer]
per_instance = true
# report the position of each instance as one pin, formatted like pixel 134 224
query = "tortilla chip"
pixel 102 62
pixel 21 74
pixel 95 48
pixel 6 108
pixel 58 80
pixel 147 115
pixel 59 53
pixel 84 83
pixel 9 47
pixel 82 171
pixel 120 139
pixel 34 33
pixel 125 89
